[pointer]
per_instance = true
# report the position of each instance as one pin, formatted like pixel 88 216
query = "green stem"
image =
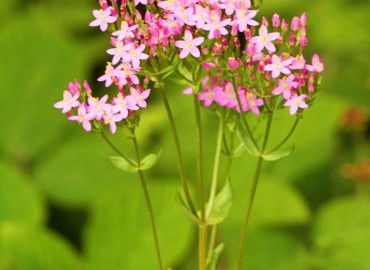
pixel 178 152
pixel 252 195
pixel 115 149
pixel 287 137
pixel 202 227
pixel 216 165
pixel 245 122
pixel 211 244
pixel 147 201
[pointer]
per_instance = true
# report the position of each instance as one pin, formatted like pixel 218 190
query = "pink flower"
pixel 277 66
pixel 189 45
pixel 264 39
pixel 317 65
pixel 124 104
pixel 140 97
pixel 83 117
pixel 111 75
pixel 296 102
pixel 111 118
pixel 285 86
pixel 125 31
pixel 243 18
pixel 250 102
pixel 216 27
pixel 134 55
pixel 97 106
pixel 103 17
pixel 68 101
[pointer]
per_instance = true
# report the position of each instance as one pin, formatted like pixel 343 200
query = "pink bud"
pixel 87 88
pixel 303 19
pixel 303 31
pixel 261 66
pixel 233 63
pixel 217 48
pixel 248 34
pixel 74 87
pixel 303 41
pixel 225 43
pixel 204 50
pixel 104 4
pixel 295 24
pixel 265 21
pixel 275 20
pixel 284 26
pixel 251 49
pixel 237 42
pixel 127 17
pixel 234 29
pixel 291 39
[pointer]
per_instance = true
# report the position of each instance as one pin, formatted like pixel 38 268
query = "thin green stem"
pixel 216 165
pixel 245 122
pixel 115 149
pixel 202 227
pixel 287 137
pixel 178 152
pixel 252 195
pixel 211 244
pixel 147 201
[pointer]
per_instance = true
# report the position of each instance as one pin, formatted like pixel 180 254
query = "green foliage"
pixel 306 216
pixel 127 244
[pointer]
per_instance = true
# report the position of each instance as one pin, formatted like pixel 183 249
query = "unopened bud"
pixel 265 21
pixel 217 48
pixel 291 39
pixel 303 41
pixel 303 19
pixel 284 26
pixel 275 20
pixel 295 24
pixel 233 63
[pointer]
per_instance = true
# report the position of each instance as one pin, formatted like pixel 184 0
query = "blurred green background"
pixel 64 206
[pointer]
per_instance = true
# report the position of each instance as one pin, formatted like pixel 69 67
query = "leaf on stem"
pixel 221 205
pixel 124 164
pixel 278 154
pixel 185 209
pixel 246 140
pixel 148 161
pixel 240 150
pixel 212 264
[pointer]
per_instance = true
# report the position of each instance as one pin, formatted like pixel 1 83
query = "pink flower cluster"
pixel 221 35
pixel 79 105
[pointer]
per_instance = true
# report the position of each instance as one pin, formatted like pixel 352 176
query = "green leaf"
pixel 119 234
pixel 35 249
pixel 183 70
pixel 216 256
pixel 123 164
pixel 221 206
pixel 246 140
pixel 148 161
pixel 342 234
pixel 20 202
pixel 30 114
pixel 185 209
pixel 240 150
pixel 277 203
pixel 73 176
pixel 278 154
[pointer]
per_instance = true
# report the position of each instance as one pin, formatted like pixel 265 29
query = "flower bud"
pixel 225 43
pixel 303 41
pixel 237 42
pixel 275 20
pixel 233 63
pixel 295 24
pixel 264 21
pixel 104 4
pixel 204 50
pixel 291 39
pixel 284 26
pixel 303 19
pixel 217 48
